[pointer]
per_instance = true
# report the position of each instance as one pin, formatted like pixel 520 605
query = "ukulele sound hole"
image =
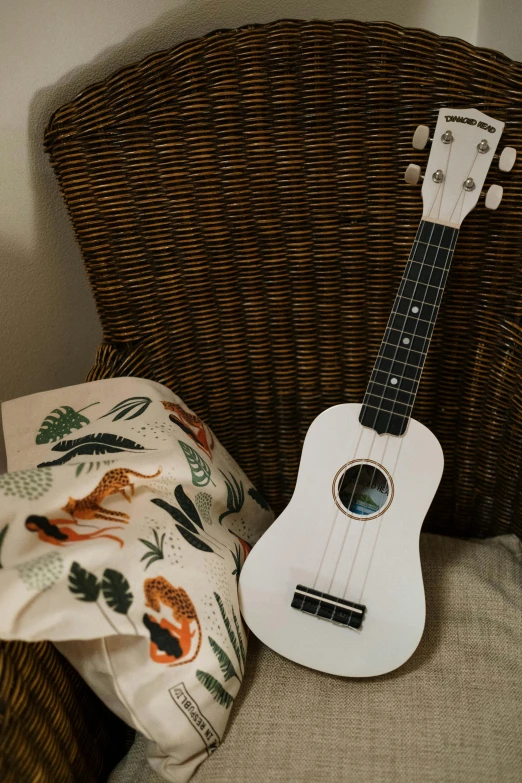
pixel 363 490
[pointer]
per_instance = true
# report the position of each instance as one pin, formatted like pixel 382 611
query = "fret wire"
pixel 408 334
pixel 407 315
pixel 395 375
pixel 383 396
pixel 444 269
pixel 394 413
pixel 404 348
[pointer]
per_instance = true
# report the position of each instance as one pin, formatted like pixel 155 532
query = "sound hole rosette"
pixel 338 480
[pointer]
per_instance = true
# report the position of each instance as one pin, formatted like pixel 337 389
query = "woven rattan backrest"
pixel 240 205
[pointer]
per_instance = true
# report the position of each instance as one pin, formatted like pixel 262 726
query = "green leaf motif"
pixel 102 443
pixel 187 505
pixel 240 637
pixel 215 688
pixel 83 584
pixel 226 621
pixel 201 473
pixel 116 591
pixel 225 664
pixel 2 536
pixel 259 498
pixel 175 513
pixel 197 543
pixel 236 554
pixel 91 466
pixel 235 496
pixel 41 572
pixel 155 548
pixel 63 422
pixel 132 405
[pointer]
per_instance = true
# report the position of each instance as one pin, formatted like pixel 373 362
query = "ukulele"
pixel 335 583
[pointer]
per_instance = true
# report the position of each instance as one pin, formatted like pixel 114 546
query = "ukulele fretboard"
pixel 394 381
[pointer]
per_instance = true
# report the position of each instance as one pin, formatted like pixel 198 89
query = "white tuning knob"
pixel 420 137
pixel 507 159
pixel 412 174
pixel 494 196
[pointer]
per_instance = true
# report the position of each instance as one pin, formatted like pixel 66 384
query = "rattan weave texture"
pixel 53 729
pixel 240 207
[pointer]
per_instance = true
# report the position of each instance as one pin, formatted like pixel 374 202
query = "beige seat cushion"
pixel 451 714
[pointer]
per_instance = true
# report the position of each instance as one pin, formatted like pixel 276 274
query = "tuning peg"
pixel 413 174
pixel 420 137
pixel 494 196
pixel 507 159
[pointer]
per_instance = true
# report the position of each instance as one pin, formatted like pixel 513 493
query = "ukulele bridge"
pixel 328 607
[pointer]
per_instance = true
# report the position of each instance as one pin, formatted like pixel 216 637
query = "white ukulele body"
pixel 336 584
pixel 378 556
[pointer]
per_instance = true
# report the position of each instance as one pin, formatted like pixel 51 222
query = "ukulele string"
pixel 363 461
pixel 428 340
pixel 389 373
pixel 335 509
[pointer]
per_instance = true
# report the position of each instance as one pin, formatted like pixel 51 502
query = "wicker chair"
pixel 241 211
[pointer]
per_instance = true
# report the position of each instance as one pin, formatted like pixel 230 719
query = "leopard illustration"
pixel 171 643
pixel 191 426
pixel 114 482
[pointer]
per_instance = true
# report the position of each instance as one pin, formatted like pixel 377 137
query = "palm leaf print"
pixel 194 540
pixel 176 514
pixel 231 634
pixel 259 498
pixel 236 554
pixel 155 549
pixel 240 637
pixel 102 443
pixel 132 405
pixel 201 473
pixel 91 466
pixel 63 422
pixel 225 664
pixel 235 496
pixel 215 688
pixel 187 505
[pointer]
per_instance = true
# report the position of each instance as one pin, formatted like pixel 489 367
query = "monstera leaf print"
pixel 62 421
pixel 86 586
pixel 201 473
pixel 102 443
pixel 116 591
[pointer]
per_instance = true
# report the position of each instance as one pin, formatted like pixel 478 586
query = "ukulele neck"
pixel 395 378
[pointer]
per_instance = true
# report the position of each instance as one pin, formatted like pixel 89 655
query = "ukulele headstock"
pixel 463 146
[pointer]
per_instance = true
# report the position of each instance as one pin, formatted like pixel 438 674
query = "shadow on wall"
pixel 54 317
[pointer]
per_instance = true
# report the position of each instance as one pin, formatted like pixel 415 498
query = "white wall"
pixel 500 26
pixel 50 50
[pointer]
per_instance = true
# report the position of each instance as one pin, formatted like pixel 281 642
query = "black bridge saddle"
pixel 328 607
